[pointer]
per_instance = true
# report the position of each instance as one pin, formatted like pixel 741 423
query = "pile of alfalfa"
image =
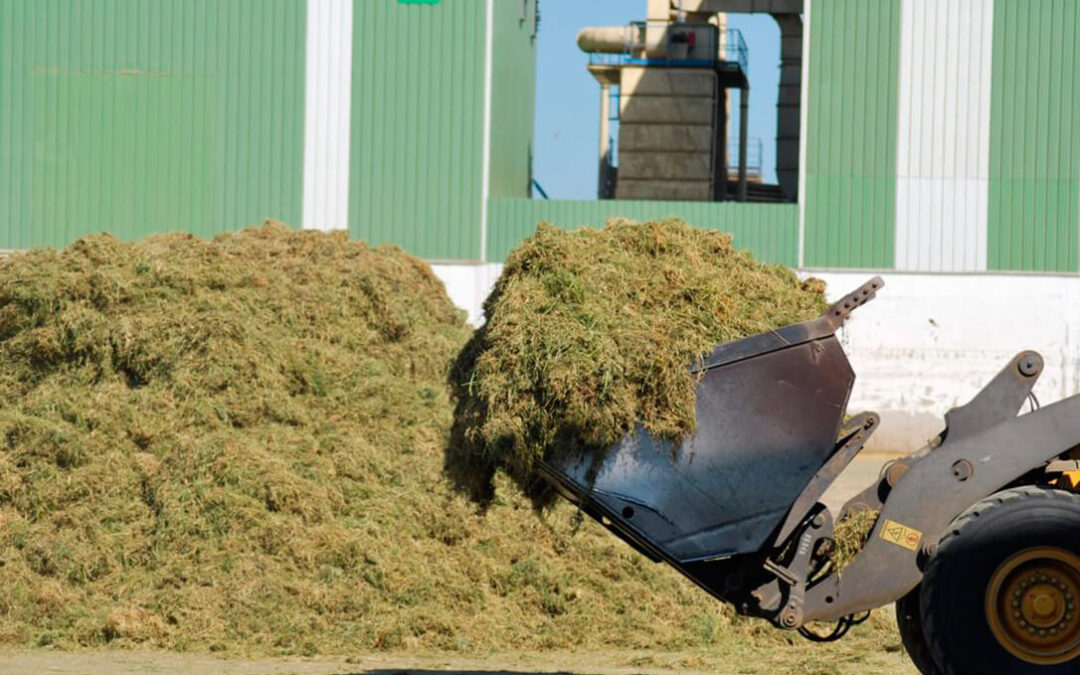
pixel 202 444
pixel 592 332
pixel 238 445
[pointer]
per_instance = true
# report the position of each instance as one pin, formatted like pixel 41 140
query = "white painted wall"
pixel 927 343
pixel 943 134
pixel 327 103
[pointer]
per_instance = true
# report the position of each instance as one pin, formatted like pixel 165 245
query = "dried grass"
pixel 592 332
pixel 850 535
pixel 237 446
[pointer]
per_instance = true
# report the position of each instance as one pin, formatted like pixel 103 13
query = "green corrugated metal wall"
pixel 851 135
pixel 415 172
pixel 771 231
pixel 141 117
pixel 1034 208
pixel 513 98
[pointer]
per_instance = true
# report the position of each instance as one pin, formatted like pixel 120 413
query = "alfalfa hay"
pixel 215 444
pixel 592 332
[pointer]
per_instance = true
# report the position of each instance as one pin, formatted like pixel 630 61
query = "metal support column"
pixel 605 139
pixel 744 110
pixel 720 147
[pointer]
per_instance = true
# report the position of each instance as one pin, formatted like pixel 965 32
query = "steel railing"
pixel 731 50
pixel 755 155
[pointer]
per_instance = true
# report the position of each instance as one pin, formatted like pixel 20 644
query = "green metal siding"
pixel 1034 142
pixel 417 126
pixel 513 98
pixel 851 135
pixel 138 116
pixel 771 231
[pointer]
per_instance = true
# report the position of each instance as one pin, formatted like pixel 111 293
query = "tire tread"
pixel 949 541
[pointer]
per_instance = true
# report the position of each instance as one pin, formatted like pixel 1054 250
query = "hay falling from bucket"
pixel 850 536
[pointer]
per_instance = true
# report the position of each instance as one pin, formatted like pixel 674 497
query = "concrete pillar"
pixel 787 103
pixel 658 10
pixel 744 122
pixel 605 139
pixel 657 18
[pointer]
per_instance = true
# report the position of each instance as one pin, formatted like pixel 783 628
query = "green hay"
pixel 591 332
pixel 212 444
pixel 237 446
pixel 850 535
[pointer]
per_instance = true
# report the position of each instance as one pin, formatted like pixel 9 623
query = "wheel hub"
pixel 1031 605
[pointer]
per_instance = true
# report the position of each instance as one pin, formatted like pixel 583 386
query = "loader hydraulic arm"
pixel 984 448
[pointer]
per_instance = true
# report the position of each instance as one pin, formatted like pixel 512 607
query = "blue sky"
pixel 568 98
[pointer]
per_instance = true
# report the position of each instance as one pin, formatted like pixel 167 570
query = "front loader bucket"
pixel 769 409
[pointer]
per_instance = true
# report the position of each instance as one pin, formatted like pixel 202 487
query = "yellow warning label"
pixel 901 535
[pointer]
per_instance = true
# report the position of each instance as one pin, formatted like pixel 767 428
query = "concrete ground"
pixel 168 663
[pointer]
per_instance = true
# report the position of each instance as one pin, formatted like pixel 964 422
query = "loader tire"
pixel 909 621
pixel 1002 592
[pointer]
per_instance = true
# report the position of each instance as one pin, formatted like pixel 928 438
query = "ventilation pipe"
pixel 610 39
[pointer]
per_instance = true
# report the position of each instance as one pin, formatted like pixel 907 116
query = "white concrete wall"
pixel 927 343
pixel 468 285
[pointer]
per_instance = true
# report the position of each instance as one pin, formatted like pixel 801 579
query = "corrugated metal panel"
pixel 417 126
pixel 326 114
pixel 943 132
pixel 770 231
pixel 137 116
pixel 1034 140
pixel 513 98
pixel 851 135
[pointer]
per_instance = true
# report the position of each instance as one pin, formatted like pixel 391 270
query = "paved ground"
pixel 112 663
pixel 857 477
pixel 167 663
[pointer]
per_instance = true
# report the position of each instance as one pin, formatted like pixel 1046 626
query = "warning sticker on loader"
pixel 901 535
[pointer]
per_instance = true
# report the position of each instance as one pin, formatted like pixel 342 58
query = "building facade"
pixel 938 147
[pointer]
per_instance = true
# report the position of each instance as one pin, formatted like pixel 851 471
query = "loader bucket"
pixel 769 408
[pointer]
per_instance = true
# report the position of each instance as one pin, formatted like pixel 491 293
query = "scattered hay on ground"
pixel 590 332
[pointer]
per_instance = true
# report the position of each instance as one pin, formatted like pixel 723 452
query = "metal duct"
pixel 609 39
